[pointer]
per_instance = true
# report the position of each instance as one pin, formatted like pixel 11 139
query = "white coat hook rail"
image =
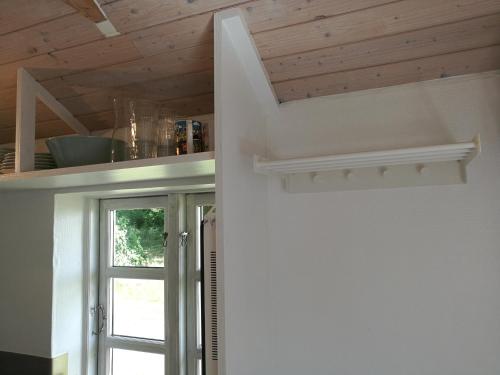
pixel 432 165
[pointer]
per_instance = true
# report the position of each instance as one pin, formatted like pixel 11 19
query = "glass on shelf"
pixel 135 134
pixel 166 132
pixel 147 129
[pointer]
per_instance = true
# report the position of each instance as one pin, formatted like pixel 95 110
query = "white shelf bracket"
pixel 28 90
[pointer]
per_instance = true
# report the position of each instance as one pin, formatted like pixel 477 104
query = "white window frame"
pixel 194 275
pixel 107 272
pixel 179 273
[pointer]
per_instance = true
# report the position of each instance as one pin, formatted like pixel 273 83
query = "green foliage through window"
pixel 138 237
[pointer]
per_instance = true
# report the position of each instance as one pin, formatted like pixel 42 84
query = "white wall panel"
pixel 26 227
pixel 394 281
pixel 241 198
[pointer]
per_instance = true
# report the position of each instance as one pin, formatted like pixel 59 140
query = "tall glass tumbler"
pixel 166 132
pixel 145 114
pixel 136 124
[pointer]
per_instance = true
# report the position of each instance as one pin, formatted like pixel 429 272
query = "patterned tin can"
pixel 189 136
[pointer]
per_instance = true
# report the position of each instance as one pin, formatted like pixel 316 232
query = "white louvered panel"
pixel 211 316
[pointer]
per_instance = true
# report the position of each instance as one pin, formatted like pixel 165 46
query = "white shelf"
pixel 168 167
pixel 392 168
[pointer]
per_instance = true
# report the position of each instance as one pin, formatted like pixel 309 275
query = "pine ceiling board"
pixel 178 87
pixel 7 118
pixel 68 61
pixel 196 59
pixel 264 15
pixel 97 121
pixel 93 55
pixel 190 84
pixel 7 98
pixel 46 129
pixel 131 15
pixel 107 52
pixel 454 37
pixel 369 23
pixel 43 114
pixel 471 61
pixel 174 63
pixel 7 135
pixel 175 35
pixel 193 105
pixel 60 89
pixel 20 14
pixel 8 72
pixel 111 51
pixel 52 129
pixel 47 37
pixel 172 88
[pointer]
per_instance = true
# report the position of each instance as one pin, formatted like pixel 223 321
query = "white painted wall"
pixel 26 224
pixel 241 216
pixel 379 282
pixel 68 282
pixel 397 281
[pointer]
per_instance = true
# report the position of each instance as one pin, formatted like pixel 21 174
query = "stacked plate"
pixel 3 152
pixel 42 161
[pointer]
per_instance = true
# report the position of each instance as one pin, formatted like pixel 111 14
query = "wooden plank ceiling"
pixel 165 50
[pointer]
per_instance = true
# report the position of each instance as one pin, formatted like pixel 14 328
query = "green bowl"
pixel 76 150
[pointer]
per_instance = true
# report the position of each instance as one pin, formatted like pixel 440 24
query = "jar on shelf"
pixel 189 136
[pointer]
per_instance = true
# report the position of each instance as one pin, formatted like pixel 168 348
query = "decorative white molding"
pixel 28 90
pixel 432 165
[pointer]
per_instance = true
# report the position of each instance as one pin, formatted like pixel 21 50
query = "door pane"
pixel 128 362
pixel 138 238
pixel 138 308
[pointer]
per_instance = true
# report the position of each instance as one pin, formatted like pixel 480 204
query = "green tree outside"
pixel 138 237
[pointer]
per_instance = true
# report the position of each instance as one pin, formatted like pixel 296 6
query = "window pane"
pixel 128 362
pixel 138 237
pixel 138 308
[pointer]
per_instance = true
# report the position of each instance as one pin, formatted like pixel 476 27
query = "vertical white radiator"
pixel 210 290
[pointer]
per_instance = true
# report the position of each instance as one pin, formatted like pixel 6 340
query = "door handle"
pixel 101 319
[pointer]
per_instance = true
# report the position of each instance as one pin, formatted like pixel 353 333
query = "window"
pixel 150 310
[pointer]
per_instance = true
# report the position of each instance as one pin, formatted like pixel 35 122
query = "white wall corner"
pixel 233 21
